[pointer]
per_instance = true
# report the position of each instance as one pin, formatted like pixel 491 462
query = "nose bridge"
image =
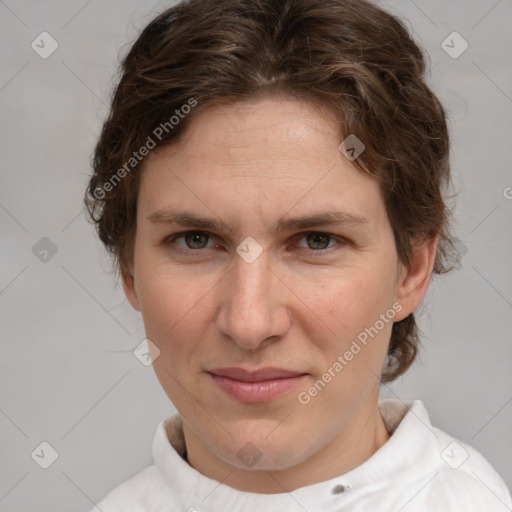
pixel 251 311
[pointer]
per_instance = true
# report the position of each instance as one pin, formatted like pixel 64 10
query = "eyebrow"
pixel 190 219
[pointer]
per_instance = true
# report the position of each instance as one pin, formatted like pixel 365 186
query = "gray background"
pixel 67 375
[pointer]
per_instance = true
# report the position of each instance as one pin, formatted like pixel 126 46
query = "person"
pixel 271 182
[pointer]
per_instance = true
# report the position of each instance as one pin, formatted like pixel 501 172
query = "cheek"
pixel 172 305
pixel 351 304
pixel 176 313
pixel 349 301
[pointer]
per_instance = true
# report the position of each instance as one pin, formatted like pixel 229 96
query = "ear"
pixel 413 281
pixel 129 288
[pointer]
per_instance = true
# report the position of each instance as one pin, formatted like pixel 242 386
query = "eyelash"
pixel 190 252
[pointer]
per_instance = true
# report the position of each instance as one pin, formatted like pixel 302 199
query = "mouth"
pixel 255 386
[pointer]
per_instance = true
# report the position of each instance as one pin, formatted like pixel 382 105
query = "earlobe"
pixel 129 289
pixel 414 281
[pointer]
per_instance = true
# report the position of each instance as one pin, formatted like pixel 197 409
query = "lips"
pixel 255 375
pixel 254 386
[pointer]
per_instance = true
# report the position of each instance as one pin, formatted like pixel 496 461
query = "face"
pixel 260 246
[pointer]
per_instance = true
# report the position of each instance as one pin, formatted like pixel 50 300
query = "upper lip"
pixel 258 375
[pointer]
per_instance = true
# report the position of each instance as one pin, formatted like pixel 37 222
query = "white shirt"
pixel 419 469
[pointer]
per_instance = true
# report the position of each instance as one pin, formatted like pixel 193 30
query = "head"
pixel 270 182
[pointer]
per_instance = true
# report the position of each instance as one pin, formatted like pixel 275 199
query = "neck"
pixel 350 448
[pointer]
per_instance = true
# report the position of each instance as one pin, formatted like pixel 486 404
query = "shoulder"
pixel 463 480
pixel 459 491
pixel 136 494
pixel 435 471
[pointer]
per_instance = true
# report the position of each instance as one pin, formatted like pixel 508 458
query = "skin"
pixel 298 306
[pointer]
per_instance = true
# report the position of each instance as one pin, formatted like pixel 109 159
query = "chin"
pixel 261 453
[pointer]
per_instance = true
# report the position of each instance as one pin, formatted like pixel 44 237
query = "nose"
pixel 253 310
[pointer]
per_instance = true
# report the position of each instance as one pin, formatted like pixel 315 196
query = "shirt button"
pixel 340 488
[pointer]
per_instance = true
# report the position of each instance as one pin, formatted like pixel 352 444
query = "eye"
pixel 194 241
pixel 319 243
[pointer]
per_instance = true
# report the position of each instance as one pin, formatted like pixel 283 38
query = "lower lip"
pixel 256 392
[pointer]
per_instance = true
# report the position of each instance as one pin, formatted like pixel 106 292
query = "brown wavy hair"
pixel 349 55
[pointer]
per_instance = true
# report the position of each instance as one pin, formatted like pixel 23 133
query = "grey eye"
pixel 196 240
pixel 318 241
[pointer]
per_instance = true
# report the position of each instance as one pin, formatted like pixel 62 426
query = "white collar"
pixel 413 439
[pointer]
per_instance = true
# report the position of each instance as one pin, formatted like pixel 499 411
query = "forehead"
pixel 248 133
pixel 259 158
